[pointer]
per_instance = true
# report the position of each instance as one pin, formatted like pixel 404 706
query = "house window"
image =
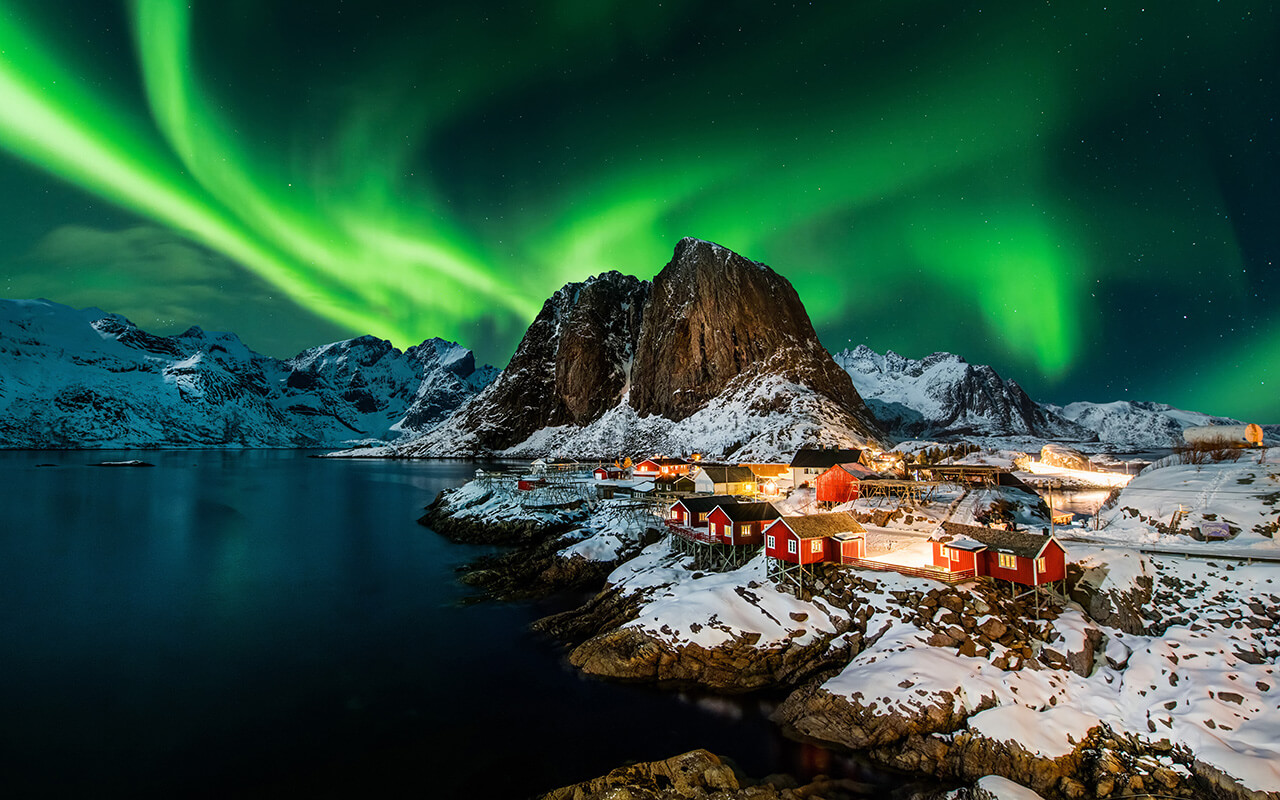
pixel 815 546
pixel 1008 561
pixel 702 516
pixel 770 543
pixel 1040 565
pixel 791 545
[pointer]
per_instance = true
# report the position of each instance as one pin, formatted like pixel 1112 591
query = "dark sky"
pixel 1081 194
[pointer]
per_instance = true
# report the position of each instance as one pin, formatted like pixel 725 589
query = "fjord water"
pixel 256 623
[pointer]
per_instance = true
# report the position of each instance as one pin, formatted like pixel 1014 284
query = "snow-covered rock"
pixel 90 379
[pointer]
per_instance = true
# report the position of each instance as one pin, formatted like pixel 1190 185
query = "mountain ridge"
pixel 93 380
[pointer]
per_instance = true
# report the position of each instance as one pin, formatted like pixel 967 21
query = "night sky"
pixel 1083 195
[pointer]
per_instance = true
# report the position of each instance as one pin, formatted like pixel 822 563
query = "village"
pixel 948 513
pixel 1035 606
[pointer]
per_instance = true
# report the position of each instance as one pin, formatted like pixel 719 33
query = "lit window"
pixel 770 542
pixel 1040 565
pixel 1008 561
pixel 791 545
pixel 702 516
pixel 816 546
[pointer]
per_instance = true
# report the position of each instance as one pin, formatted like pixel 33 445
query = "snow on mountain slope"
pixel 91 379
pixel 1137 424
pixel 717 355
pixel 745 423
pixel 942 395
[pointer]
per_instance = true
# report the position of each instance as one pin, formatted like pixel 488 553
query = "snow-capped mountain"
pixel 1137 424
pixel 91 379
pixel 717 355
pixel 943 396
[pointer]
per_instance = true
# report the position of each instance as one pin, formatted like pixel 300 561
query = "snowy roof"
pixel 848 536
pixel 820 526
pixel 809 457
pixel 965 543
pixel 750 512
pixel 1019 543
pixel 727 474
pixel 697 505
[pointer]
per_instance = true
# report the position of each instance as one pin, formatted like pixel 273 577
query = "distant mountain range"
pixel 944 397
pixel 89 379
pixel 715 355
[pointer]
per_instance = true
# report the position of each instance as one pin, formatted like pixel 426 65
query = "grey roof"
pixel 965 543
pixel 819 526
pixel 706 502
pixel 1019 543
pixel 751 512
pixel 727 474
pixel 824 458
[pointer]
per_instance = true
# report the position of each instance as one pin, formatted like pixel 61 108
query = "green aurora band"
pixel 884 175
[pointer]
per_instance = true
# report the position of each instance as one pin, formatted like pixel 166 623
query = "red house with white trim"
pixel 806 539
pixel 610 474
pixel 653 467
pixel 839 484
pixel 1029 559
pixel 741 523
pixel 848 547
pixel 692 512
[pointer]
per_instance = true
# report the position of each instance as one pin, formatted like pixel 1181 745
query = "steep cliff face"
pixel 717 355
pixel 943 395
pixel 714 316
pixel 573 364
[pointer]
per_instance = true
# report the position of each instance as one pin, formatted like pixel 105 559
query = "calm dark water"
pixel 258 623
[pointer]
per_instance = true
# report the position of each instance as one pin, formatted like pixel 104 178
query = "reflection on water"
pixel 259 623
pixel 1084 503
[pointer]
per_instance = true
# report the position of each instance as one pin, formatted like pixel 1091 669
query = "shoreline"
pixel 816 643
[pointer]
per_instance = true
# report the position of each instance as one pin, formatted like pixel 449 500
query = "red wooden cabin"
pixel 652 467
pixel 692 512
pixel 741 523
pixel 847 547
pixel 805 539
pixel 1030 559
pixel 610 474
pixel 839 484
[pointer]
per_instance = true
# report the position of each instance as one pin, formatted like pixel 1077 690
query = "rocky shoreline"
pixel 658 620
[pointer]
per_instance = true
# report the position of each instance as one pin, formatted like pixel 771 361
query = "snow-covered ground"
pixel 1244 494
pixel 686 605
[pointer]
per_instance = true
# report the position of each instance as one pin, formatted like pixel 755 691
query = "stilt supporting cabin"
pixel 913 492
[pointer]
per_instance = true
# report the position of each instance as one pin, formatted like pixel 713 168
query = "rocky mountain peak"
pixel 573 364
pixel 714 316
pixel 716 354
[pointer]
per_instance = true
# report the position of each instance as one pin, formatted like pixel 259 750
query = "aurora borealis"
pixel 1080 194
